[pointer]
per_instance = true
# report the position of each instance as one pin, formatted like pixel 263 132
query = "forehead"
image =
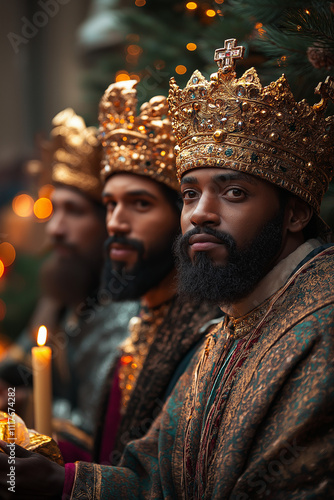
pixel 67 195
pixel 123 184
pixel 217 174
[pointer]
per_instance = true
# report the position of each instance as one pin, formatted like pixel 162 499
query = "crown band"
pixel 142 144
pixel 76 154
pixel 240 125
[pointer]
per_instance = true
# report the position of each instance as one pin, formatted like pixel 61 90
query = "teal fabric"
pixel 276 434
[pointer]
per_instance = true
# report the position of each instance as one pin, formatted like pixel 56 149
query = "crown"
pixel 240 125
pixel 142 144
pixel 74 152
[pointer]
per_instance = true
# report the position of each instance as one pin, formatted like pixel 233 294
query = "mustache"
pixel 182 242
pixel 123 240
pixel 60 242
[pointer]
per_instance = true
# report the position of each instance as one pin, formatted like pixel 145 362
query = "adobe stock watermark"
pixel 30 27
pixel 11 440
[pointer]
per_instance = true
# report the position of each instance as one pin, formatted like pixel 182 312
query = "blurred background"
pixel 64 53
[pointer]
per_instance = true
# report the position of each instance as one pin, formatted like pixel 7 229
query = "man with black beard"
pixel 252 416
pixel 84 327
pixel 141 196
pixel 244 269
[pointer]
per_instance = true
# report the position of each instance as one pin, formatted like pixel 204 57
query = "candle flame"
pixel 42 334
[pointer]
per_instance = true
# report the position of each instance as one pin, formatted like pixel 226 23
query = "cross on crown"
pixel 226 56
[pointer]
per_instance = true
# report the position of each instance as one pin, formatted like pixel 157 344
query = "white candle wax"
pixel 42 389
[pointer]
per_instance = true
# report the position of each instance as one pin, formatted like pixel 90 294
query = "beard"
pixel 71 279
pixel 146 274
pixel 225 285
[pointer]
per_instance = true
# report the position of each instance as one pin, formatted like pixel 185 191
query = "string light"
pixel 43 208
pixel 7 253
pixel 134 50
pixel 307 12
pixel 121 76
pixel 191 46
pixel 191 5
pixel 134 76
pixel 210 13
pixel 260 29
pixel 23 205
pixel 180 69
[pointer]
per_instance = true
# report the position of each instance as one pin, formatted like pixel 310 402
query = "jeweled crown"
pixel 240 125
pixel 142 144
pixel 75 153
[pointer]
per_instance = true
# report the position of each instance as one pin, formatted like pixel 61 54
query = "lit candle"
pixel 42 384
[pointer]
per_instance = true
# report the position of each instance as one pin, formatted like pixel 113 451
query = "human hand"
pixel 28 476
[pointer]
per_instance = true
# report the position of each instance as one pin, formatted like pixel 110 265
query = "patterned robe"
pixel 253 415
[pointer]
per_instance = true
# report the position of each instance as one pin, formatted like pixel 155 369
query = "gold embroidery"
pixel 143 330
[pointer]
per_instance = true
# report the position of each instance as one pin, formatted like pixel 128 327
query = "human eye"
pixel 142 204
pixel 110 205
pixel 189 194
pixel 75 211
pixel 235 194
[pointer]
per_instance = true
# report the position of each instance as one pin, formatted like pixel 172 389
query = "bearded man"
pixel 252 416
pixel 142 200
pixel 84 326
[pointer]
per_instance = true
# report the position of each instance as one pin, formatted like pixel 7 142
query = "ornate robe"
pixel 253 415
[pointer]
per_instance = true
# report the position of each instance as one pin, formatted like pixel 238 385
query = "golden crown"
pixel 75 153
pixel 240 125
pixel 142 144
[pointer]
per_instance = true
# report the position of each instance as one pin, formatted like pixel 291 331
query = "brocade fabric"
pixel 274 436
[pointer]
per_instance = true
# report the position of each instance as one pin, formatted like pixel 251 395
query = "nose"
pixel 117 222
pixel 206 211
pixel 56 227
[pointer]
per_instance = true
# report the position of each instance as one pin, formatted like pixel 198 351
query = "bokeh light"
pixel 46 191
pixel 191 5
pixel 140 3
pixel 7 253
pixel 191 46
pixel 180 69
pixel 134 50
pixel 23 205
pixel 121 76
pixel 210 13
pixel 43 208
pixel 2 268
pixel 134 76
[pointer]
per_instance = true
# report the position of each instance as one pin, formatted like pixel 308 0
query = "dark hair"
pixel 311 230
pixel 172 196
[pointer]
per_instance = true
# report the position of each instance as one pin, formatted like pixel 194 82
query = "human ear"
pixel 299 214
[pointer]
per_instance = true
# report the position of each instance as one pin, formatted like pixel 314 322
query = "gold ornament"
pixel 142 144
pixel 266 132
pixel 142 330
pixel 14 430
pixel 72 156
